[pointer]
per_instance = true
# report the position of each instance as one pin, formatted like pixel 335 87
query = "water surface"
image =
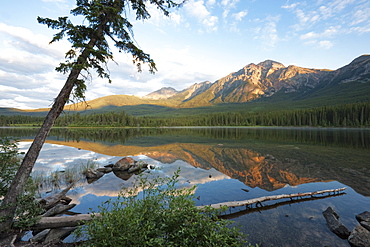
pixel 230 164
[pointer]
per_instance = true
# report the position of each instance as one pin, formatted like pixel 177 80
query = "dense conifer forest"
pixel 349 115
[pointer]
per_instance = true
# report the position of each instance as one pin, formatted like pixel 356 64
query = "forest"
pixel 348 115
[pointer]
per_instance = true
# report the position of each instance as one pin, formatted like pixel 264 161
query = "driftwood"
pixel 76 220
pixel 63 221
pixel 58 209
pixel 269 198
pixel 250 210
pixel 53 200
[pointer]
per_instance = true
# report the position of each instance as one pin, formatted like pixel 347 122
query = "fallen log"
pixel 58 209
pixel 269 198
pixel 53 200
pixel 250 210
pixel 63 221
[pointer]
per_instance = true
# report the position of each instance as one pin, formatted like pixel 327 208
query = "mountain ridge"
pixel 267 81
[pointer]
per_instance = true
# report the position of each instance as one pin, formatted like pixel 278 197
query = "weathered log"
pixel 250 210
pixel 59 208
pixel 63 221
pixel 269 198
pixel 53 200
pixel 57 235
pixel 337 227
pixel 39 237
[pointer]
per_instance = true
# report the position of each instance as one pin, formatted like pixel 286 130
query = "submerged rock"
pixel 332 220
pixel 93 175
pixel 360 237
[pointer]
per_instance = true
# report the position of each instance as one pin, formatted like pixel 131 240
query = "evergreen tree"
pixel 90 50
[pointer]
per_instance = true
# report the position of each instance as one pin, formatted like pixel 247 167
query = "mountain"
pixel 163 93
pixel 266 85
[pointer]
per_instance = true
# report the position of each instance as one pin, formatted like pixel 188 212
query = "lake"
pixel 230 164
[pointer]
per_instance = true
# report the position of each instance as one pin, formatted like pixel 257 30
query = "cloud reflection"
pixel 54 157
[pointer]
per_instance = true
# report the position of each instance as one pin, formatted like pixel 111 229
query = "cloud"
pixel 326 44
pixel 198 10
pixel 211 2
pixel 361 16
pixel 240 15
pixel 267 32
pixel 328 33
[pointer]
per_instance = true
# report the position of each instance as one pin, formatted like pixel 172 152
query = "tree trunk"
pixel 9 203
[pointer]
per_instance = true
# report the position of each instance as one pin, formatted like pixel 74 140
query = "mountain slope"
pixel 268 84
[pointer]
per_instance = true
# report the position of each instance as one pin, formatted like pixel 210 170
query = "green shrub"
pixel 161 215
pixel 28 210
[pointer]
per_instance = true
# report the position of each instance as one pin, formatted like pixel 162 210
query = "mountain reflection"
pixel 266 158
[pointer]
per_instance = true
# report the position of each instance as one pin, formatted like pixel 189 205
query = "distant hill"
pixel 266 85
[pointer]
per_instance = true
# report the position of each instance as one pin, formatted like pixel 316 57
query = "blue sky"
pixel 203 40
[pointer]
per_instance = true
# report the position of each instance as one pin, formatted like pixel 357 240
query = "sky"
pixel 204 40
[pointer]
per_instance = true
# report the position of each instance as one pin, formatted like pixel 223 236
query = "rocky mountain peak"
pixel 361 59
pixel 163 93
pixel 196 89
pixel 270 64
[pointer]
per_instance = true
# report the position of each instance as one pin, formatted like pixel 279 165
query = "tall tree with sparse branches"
pixel 90 51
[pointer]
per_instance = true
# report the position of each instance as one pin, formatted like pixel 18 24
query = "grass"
pixel 50 181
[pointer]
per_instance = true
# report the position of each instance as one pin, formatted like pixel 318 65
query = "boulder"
pixel 364 219
pixel 93 175
pixel 105 169
pixel 138 166
pixel 332 220
pixel 360 237
pixel 364 216
pixel 124 164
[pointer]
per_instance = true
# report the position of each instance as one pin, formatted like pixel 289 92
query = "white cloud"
pixel 328 33
pixel 267 32
pixel 240 15
pixel 326 44
pixel 361 16
pixel 211 2
pixel 198 10
pixel 291 6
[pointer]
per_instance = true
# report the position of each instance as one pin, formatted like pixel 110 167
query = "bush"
pixel 160 215
pixel 28 210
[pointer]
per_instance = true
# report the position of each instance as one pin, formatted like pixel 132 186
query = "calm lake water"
pixel 230 164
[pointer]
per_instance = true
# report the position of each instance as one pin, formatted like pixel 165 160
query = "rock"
pixel 364 219
pixel 365 224
pixel 105 169
pixel 93 175
pixel 133 169
pixel 109 165
pixel 364 216
pixel 142 164
pixel 138 166
pixel 125 175
pixel 124 164
pixel 360 237
pixel 332 220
